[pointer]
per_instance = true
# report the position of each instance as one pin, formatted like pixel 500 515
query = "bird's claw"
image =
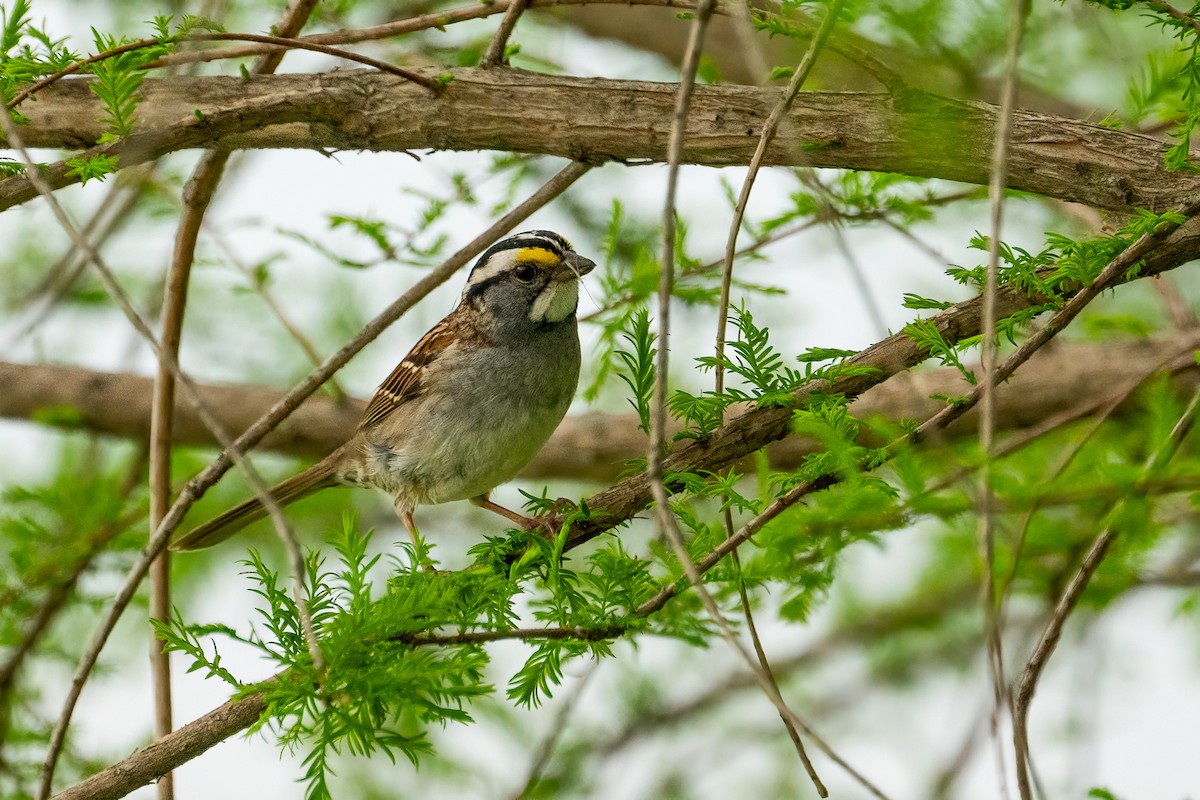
pixel 550 523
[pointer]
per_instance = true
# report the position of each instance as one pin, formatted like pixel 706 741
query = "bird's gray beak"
pixel 574 266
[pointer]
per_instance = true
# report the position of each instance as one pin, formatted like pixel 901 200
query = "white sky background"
pixel 1135 679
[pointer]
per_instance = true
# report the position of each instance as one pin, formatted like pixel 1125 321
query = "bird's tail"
pixel 220 528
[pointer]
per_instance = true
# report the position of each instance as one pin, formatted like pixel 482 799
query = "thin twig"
pixel 289 26
pixel 654 470
pixel 269 300
pixel 76 66
pixel 768 134
pixel 1174 13
pixel 1176 305
pixel 114 209
pixel 987 410
pixel 558 726
pixel 197 196
pixel 432 84
pixel 276 43
pixel 1024 689
pixel 777 235
pixel 436 20
pixel 192 393
pixel 1065 459
pixel 579 633
pixel 285 406
pixel 1126 259
pixel 770 128
pixel 495 52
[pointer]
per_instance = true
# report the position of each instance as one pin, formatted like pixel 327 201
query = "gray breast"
pixel 501 405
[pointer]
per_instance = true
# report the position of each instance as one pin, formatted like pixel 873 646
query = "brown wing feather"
pixel 405 382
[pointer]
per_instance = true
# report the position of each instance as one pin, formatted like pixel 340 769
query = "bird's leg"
pixel 523 522
pixel 405 512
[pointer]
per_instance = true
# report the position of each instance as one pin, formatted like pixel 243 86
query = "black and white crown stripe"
pixel 487 267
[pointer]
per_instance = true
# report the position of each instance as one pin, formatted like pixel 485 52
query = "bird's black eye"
pixel 524 273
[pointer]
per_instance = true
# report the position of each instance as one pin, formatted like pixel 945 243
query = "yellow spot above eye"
pixel 537 255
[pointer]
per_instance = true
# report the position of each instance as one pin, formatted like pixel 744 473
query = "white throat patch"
pixel 556 302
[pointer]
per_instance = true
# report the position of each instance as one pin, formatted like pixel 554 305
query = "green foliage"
pixel 388 678
pixel 630 280
pixel 929 339
pixel 409 648
pixel 639 366
pixel 28 53
pixel 919 303
pixel 379 692
pixel 117 82
pixel 815 354
pixel 88 168
pixel 421 243
pixel 753 359
pixel 63 540
pixel 852 197
pixel 12 24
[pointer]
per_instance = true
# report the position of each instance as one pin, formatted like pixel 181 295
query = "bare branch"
pixel 1027 683
pixel 495 52
pixel 598 119
pixel 658 414
pixel 169 752
pixel 592 446
pixel 196 196
pixel 770 128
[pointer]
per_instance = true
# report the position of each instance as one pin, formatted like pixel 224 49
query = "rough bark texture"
pixel 595 120
pixel 167 753
pixel 590 446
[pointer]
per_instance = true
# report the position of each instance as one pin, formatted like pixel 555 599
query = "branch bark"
pixel 590 446
pixel 594 119
pixel 759 427
pixel 169 752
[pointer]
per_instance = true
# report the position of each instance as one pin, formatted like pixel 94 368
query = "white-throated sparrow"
pixel 471 403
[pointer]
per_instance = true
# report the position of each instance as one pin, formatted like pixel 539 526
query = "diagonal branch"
pixel 169 752
pixel 235 451
pixel 1027 683
pixel 495 52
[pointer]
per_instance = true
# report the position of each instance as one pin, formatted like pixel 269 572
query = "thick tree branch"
pixel 755 429
pixel 594 119
pixel 590 446
pixel 172 750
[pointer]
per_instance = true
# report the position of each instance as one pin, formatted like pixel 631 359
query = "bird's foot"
pixel 547 525
pixel 520 520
